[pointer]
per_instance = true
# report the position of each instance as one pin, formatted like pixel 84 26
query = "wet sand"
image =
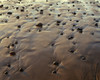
pixel 50 40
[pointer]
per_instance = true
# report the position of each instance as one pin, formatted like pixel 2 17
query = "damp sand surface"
pixel 50 40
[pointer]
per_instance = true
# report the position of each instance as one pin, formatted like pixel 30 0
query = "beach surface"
pixel 53 40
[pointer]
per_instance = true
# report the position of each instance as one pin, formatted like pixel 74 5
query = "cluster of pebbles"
pixel 50 40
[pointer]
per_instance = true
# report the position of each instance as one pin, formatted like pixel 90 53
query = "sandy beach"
pixel 53 40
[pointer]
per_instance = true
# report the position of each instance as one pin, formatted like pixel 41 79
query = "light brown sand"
pixel 50 41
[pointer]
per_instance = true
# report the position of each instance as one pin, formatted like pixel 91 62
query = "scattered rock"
pixel 10 13
pixel 80 30
pixel 70 37
pixel 39 25
pixel 56 63
pixel 12 53
pixel 1 6
pixel 21 70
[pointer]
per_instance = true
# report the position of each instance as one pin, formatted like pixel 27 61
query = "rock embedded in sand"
pixel 61 33
pixel 6 7
pixel 70 37
pixel 64 23
pixel 16 42
pixel 17 8
pixel 41 11
pixel 6 72
pixel 74 13
pixel 54 72
pixel 17 17
pixel 72 50
pixel 8 65
pixel 56 63
pixel 42 50
pixel 12 53
pixel 83 58
pixel 19 26
pixel 80 30
pixel 96 24
pixel 58 22
pixel 92 33
pixel 39 25
pixel 59 15
pixel 1 6
pixel 10 13
pixel 21 70
pixel 22 10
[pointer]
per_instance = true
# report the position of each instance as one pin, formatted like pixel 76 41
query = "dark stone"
pixel 72 29
pixel 64 23
pixel 50 4
pixel 12 53
pixel 16 42
pixel 1 6
pixel 73 1
pixel 52 44
pixel 70 37
pixel 74 25
pixel 40 25
pixel 73 5
pixel 56 63
pixel 59 15
pixel 17 17
pixel 54 72
pixel 17 8
pixel 72 50
pixel 19 26
pixel 8 65
pixel 84 13
pixel 8 46
pixel 36 18
pixel 74 13
pixel 49 14
pixel 22 10
pixel 96 20
pixel 21 70
pixel 77 20
pixel 58 22
pixel 10 13
pixel 12 45
pixel 92 14
pixel 61 33
pixel 6 72
pixel 96 24
pixel 92 33
pixel 80 30
pixel 78 8
pixel 98 6
pixel 32 7
pixel 83 58
pixel 41 11
pixel 68 10
pixel 6 7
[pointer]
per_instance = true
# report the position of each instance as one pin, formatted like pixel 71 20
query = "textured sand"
pixel 50 40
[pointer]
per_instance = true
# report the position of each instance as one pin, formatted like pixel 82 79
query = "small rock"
pixel 80 30
pixel 70 37
pixel 56 63
pixel 1 6
pixel 54 72
pixel 17 17
pixel 21 69
pixel 12 53
pixel 6 72
pixel 10 13
pixel 40 25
